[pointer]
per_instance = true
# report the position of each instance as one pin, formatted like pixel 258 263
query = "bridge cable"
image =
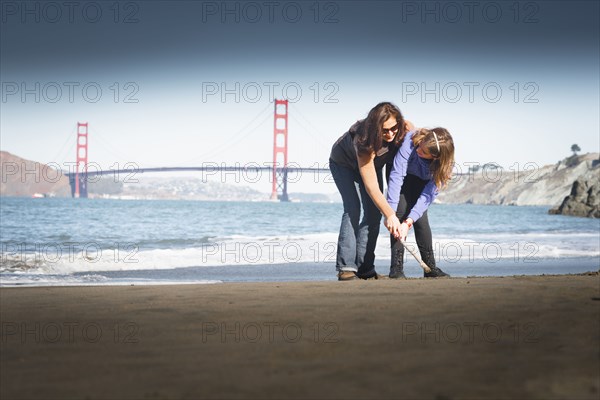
pixel 314 128
pixel 113 151
pixel 238 135
pixel 62 153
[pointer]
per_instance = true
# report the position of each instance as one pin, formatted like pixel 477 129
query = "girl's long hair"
pixel 370 139
pixel 443 159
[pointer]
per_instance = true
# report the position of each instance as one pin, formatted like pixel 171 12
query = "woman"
pixel 358 156
pixel 422 166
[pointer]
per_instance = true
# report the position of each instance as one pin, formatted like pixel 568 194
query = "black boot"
pixel 397 267
pixel 429 259
pixel 366 275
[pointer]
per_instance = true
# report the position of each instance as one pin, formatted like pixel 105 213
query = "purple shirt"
pixel 408 162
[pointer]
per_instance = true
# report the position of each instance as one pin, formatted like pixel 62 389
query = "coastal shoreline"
pixel 491 337
pixel 293 272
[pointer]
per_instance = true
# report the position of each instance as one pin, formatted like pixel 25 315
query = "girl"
pixel 358 156
pixel 422 166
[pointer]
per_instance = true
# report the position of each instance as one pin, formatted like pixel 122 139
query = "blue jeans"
pixel 357 240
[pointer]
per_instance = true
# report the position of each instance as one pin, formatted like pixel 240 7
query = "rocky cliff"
pixel 584 199
pixel 21 177
pixel 522 185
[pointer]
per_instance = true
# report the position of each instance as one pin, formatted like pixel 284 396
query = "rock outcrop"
pixel 584 200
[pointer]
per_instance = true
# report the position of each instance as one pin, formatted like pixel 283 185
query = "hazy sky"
pixel 187 82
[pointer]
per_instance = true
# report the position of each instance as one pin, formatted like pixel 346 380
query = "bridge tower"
pixel 280 147
pixel 80 187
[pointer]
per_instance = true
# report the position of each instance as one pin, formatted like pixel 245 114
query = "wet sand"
pixel 485 338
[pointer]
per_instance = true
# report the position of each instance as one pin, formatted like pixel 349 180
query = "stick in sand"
pixel 414 254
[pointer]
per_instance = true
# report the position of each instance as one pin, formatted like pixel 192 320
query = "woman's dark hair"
pixel 370 139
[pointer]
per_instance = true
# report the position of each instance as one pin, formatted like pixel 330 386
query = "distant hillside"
pixel 188 188
pixel 24 178
pixel 311 197
pixel 547 185
pixel 21 177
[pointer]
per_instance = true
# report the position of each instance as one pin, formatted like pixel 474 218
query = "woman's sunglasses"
pixel 392 129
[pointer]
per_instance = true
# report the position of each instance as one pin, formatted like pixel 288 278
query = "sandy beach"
pixel 513 337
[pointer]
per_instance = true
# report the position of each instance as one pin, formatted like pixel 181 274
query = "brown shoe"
pixel 347 276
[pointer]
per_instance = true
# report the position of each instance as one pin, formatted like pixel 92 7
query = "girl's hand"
pixel 392 223
pixel 405 227
pixel 408 126
pixel 403 231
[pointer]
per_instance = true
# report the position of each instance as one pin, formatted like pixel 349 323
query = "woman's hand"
pixel 392 223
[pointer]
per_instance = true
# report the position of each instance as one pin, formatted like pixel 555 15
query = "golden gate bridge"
pixel 280 169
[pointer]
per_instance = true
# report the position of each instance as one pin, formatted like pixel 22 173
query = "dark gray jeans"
pixel 412 188
pixel 357 240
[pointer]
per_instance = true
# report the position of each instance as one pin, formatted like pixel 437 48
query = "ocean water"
pixel 122 242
